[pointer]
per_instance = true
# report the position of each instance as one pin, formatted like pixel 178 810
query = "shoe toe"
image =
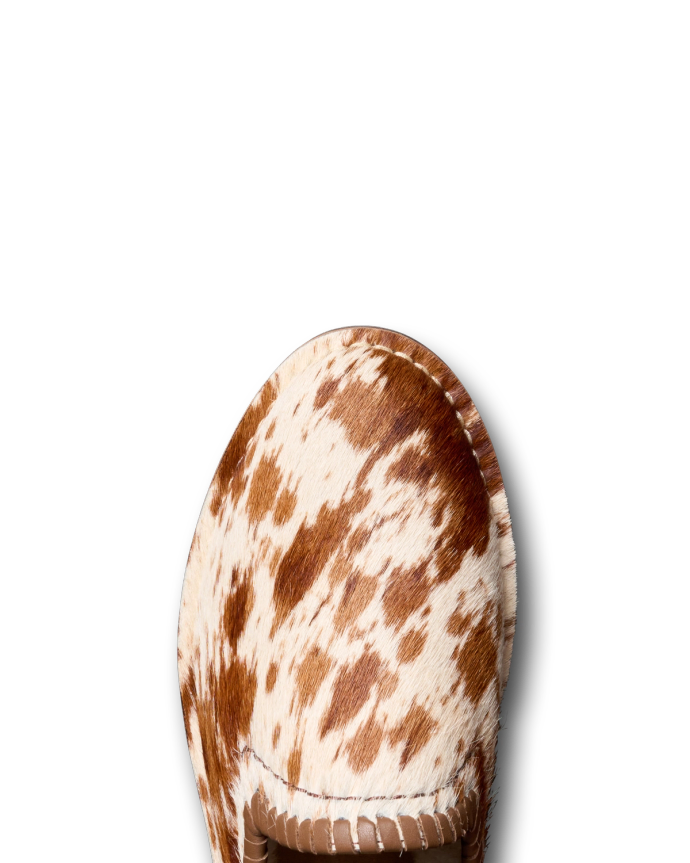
pixel 348 606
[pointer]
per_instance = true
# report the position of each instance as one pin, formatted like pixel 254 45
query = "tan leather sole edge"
pixel 456 825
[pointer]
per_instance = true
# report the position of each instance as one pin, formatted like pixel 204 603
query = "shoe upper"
pixel 349 599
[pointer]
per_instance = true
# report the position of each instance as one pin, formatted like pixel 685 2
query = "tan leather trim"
pixel 459 823
pixel 292 833
pixel 255 845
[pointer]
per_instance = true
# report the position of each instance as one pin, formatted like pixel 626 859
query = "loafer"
pixel 348 611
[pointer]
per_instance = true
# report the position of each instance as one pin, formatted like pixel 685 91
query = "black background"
pixel 177 403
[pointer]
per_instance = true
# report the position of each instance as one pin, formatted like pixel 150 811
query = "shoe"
pixel 348 611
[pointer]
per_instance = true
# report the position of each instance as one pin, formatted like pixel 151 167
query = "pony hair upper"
pixel 349 600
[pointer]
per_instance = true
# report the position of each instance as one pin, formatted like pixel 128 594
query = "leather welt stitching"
pixel 445 392
pixel 294 787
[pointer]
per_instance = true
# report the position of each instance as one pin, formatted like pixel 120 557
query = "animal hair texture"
pixel 349 600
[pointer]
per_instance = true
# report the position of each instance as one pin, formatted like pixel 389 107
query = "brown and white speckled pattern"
pixel 349 600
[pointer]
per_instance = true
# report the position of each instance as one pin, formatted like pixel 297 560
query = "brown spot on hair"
pixel 276 734
pixel 294 765
pixel 270 430
pixel 384 567
pixel 351 691
pixel 460 620
pixel 339 570
pixel 361 535
pixel 214 837
pixel 203 791
pixel 411 645
pixel 235 694
pixel 217 772
pixel 414 466
pixel 271 676
pixel 324 392
pixel 414 731
pixel 358 592
pixel 224 716
pixel 311 549
pixel 189 700
pixel 263 551
pixel 285 506
pixel 246 464
pixel 318 610
pixel 238 607
pixel 310 675
pixel 382 414
pixel 387 684
pixel 477 660
pixel 406 591
pixel 266 478
pixel 227 470
pixel 363 747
